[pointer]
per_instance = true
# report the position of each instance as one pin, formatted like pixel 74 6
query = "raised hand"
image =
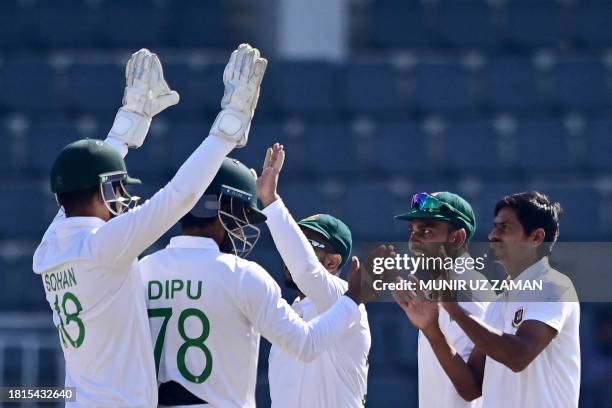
pixel 421 312
pixel 267 182
pixel 361 276
pixel 145 95
pixel 242 79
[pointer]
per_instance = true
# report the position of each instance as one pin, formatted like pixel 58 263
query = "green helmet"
pixel 91 163
pixel 233 180
pixel 80 165
pixel 232 198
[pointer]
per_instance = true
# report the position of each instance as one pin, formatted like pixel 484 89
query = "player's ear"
pixel 458 237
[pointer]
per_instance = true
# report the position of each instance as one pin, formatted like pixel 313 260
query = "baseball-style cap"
pixel 444 206
pixel 333 230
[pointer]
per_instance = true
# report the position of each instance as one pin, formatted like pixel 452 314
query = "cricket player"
pixel 87 259
pixel 527 349
pixel 446 221
pixel 208 306
pixel 314 251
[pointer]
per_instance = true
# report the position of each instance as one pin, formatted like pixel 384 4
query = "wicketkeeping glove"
pixel 146 94
pixel 242 79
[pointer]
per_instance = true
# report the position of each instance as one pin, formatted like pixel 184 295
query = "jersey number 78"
pixel 197 342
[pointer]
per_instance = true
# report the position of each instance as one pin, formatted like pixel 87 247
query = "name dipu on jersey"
pixel 169 288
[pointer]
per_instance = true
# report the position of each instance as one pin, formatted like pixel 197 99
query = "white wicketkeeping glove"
pixel 242 79
pixel 146 94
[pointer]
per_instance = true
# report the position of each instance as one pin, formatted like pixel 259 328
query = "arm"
pixel 261 301
pixel 307 272
pixel 515 351
pixel 123 238
pixel 466 377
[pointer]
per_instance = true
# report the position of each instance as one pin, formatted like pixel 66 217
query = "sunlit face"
pixel 426 235
pixel 508 237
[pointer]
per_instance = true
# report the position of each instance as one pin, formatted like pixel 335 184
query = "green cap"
pixel 80 164
pixel 456 211
pixel 333 230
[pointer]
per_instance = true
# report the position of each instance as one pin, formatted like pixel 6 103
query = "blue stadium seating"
pixel 510 83
pixel 599 151
pixel 531 24
pixel 46 140
pixel 401 149
pixel 28 84
pixel 303 87
pixel 593 23
pixel 464 24
pixel 376 88
pixel 471 146
pixel 29 208
pixel 443 85
pixel 581 83
pixel 542 146
pixel 93 87
pixel 199 85
pixel 397 24
pixel 22 289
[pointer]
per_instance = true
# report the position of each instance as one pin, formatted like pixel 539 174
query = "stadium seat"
pixel 197 24
pixel 68 24
pixel 29 208
pixel 200 85
pixel 94 87
pixel 119 29
pixel 471 146
pixel 401 149
pixel 535 24
pixel 377 88
pixel 510 83
pixel 542 146
pixel 581 83
pixel 301 88
pixel 17 24
pixel 593 23
pixel 375 200
pixel 399 24
pixel 465 24
pixel 577 202
pixel 305 199
pixel 599 150
pixel 28 84
pixel 46 140
pixel 22 289
pixel 443 86
pixel 331 149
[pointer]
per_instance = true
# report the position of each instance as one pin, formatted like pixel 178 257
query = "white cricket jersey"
pixel 436 390
pixel 89 270
pixel 338 377
pixel 207 310
pixel 552 380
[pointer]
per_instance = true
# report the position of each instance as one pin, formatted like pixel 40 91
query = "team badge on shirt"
pixel 518 318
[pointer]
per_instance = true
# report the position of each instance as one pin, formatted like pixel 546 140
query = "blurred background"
pixel 373 100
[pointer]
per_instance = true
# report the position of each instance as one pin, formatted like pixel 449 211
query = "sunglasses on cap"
pixel 429 203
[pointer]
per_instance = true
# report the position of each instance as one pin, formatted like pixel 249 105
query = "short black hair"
pixel 191 221
pixel 73 200
pixel 535 210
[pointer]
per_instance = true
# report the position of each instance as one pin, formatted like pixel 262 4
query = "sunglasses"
pixel 428 203
pixel 316 244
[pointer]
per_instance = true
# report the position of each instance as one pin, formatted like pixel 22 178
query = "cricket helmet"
pixel 90 163
pixel 232 197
